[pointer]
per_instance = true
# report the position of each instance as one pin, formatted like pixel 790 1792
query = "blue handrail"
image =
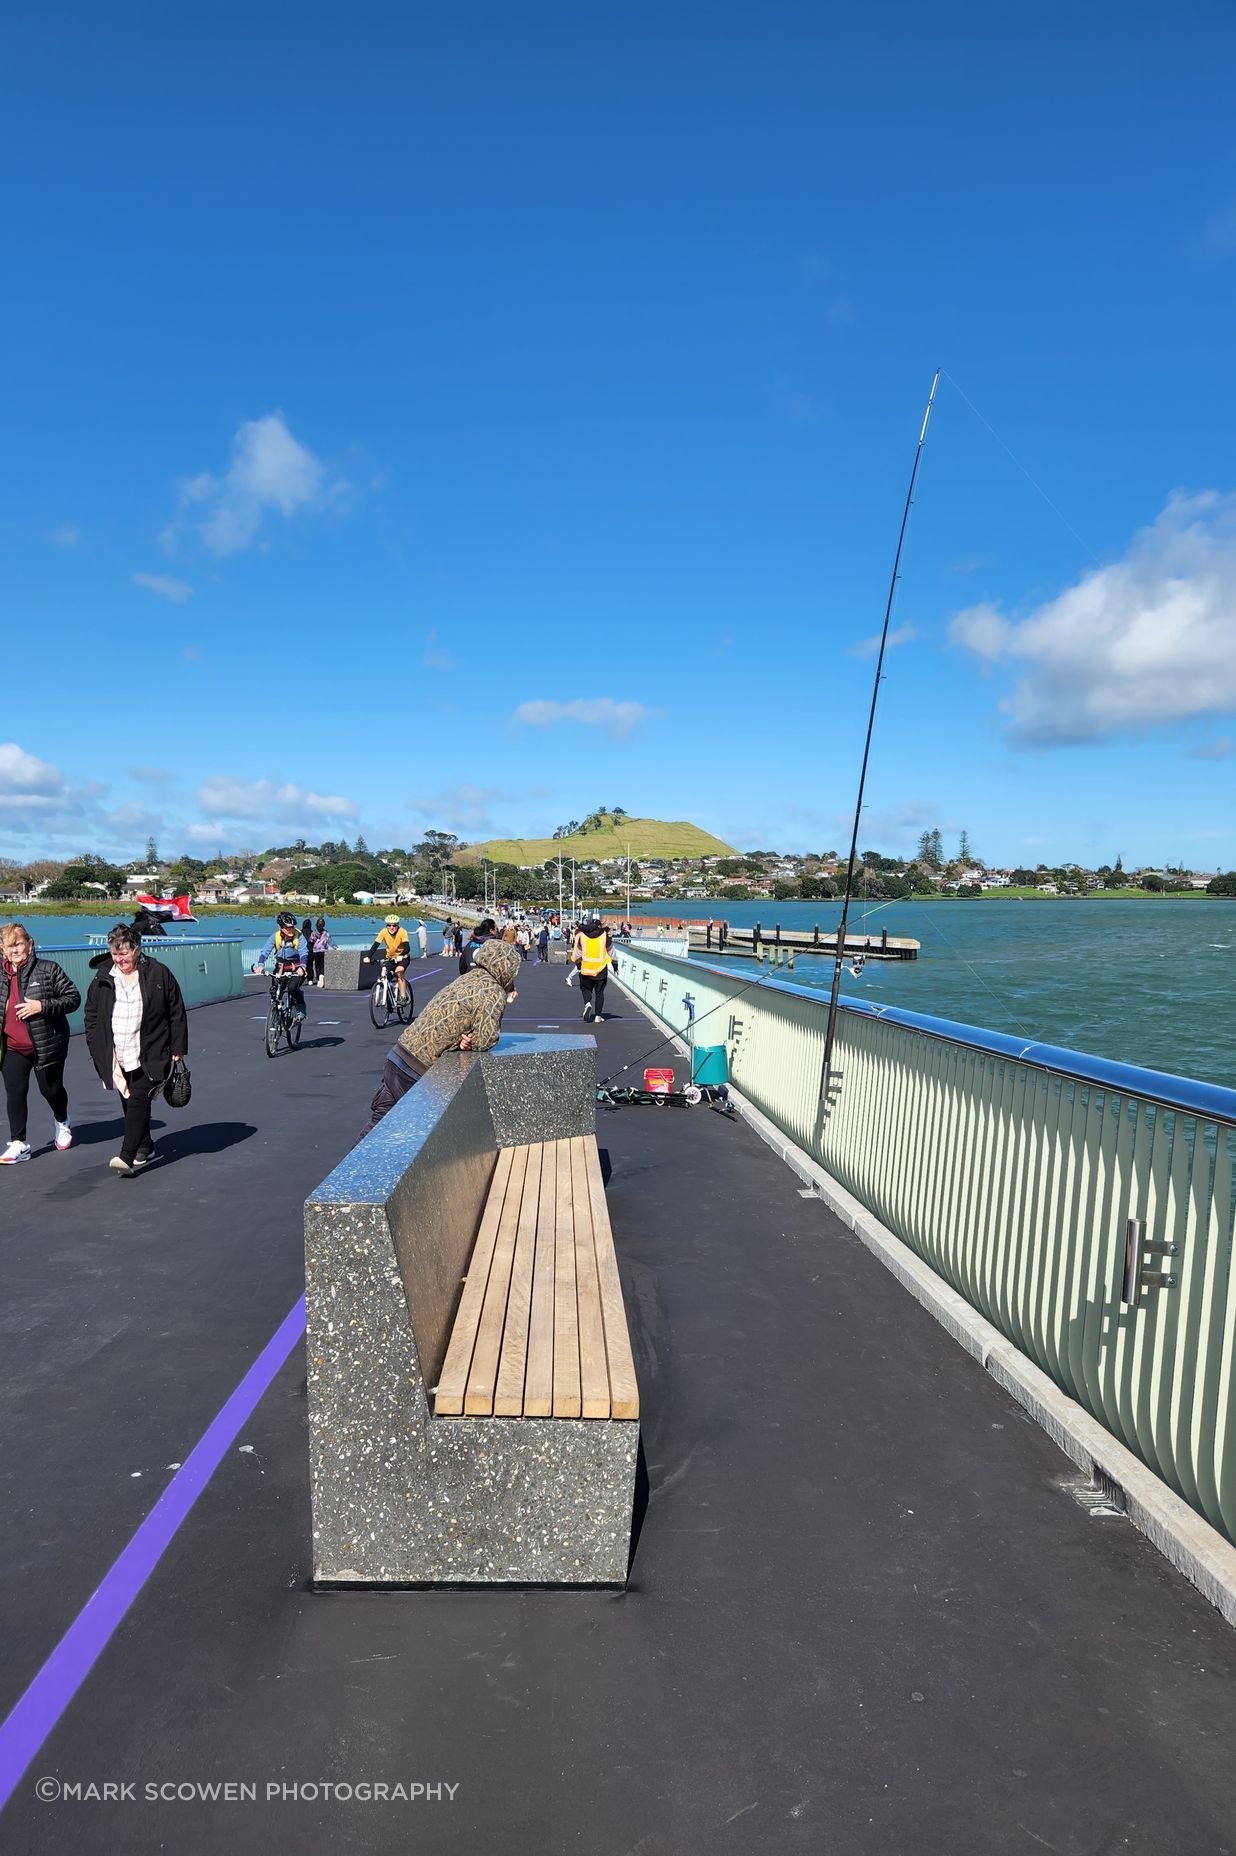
pixel 1210 1100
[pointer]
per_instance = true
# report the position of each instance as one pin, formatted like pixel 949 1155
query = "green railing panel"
pixel 1014 1179
pixel 207 970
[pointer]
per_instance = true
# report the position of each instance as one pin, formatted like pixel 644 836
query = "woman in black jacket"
pixel 136 1029
pixel 36 997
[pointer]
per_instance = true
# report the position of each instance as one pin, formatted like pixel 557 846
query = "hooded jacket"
pixel 49 1029
pixel 165 1023
pixel 470 1006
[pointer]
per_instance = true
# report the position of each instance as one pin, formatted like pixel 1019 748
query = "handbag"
pixel 178 1087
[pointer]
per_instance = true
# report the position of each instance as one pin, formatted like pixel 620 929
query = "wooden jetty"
pixel 743 944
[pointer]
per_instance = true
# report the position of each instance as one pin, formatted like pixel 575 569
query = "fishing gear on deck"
pixel 763 980
pixel 716 1095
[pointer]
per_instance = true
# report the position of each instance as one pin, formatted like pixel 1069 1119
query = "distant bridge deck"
pixel 864 1614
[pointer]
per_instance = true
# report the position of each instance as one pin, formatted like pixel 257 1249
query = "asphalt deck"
pixel 865 1613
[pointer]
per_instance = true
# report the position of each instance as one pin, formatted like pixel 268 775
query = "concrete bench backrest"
pixel 424 1172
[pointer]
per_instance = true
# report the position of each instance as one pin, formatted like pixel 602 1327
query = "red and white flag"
pixel 171 908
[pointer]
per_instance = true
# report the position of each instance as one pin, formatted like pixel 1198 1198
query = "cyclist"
pixel 392 943
pixel 290 952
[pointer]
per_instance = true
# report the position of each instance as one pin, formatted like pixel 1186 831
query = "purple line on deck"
pixel 53 1688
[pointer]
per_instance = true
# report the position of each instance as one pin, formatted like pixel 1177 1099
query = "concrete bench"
pixel 465 1245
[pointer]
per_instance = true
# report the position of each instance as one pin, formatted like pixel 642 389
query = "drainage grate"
pixel 1101 1498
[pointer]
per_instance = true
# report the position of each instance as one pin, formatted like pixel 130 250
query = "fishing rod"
pixel 750 986
pixel 830 1032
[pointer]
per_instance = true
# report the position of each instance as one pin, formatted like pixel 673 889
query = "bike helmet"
pixel 392 921
pixel 285 919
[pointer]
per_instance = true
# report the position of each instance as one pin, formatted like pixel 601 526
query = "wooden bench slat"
pixel 593 1364
pixel 483 1373
pixel 453 1379
pixel 509 1396
pixel 566 1312
pixel 539 1377
pixel 623 1390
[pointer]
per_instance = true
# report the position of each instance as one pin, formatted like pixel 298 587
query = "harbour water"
pixel 51 931
pixel 1150 983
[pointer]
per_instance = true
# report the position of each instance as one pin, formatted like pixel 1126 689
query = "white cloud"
pixel 1146 642
pixel 434 657
pixel 900 634
pixel 462 808
pixel 270 471
pixel 25 776
pixel 64 537
pixel 151 776
pixel 225 797
pixel 1220 229
pixel 616 719
pixel 164 586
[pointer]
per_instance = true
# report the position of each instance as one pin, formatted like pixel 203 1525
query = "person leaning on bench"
pixel 466 1015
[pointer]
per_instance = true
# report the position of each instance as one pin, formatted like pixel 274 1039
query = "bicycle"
pixel 385 998
pixel 282 1018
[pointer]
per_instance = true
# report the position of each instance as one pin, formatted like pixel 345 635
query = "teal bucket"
pixel 708 1065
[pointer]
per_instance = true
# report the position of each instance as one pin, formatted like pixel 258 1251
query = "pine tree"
pixel 362 849
pixel 924 847
pixel 936 856
pixel 964 853
pixel 152 854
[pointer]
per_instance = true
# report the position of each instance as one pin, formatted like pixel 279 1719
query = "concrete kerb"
pixel 1179 1533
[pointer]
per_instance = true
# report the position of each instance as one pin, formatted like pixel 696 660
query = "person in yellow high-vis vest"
pixel 592 952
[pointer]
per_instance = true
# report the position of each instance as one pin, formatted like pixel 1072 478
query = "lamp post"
pixel 628 883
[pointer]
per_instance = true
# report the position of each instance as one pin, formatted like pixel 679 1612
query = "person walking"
pixel 592 951
pixel 319 941
pixel 523 939
pixel 457 938
pixel 136 1029
pixel 542 945
pixel 466 1015
pixel 486 930
pixel 36 997
pixel 422 936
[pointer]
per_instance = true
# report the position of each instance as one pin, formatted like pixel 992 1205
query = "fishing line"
pixel 1002 1003
pixel 750 986
pixel 1021 467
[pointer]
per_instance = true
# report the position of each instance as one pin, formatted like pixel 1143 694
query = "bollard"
pixel 790 959
pixel 884 939
pixel 778 933
pixel 815 935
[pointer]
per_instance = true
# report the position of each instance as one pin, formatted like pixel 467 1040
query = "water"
pixel 346 930
pixel 1151 983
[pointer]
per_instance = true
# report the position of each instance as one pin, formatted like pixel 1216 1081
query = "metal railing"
pixel 1084 1207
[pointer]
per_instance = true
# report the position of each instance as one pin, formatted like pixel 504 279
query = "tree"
pixel 1152 881
pixel 152 854
pixel 964 853
pixel 1224 885
pixel 361 849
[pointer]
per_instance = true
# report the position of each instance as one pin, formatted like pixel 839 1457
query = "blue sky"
pixel 465 416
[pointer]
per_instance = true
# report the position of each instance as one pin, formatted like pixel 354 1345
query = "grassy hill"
pixel 647 837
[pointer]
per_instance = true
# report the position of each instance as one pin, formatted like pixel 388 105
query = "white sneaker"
pixel 119 1165
pixel 64 1135
pixel 15 1151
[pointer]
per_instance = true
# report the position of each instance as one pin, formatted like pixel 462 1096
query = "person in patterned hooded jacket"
pixel 466 1015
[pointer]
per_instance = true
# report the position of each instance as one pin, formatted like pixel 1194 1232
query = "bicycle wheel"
pixel 274 1025
pixel 404 1008
pixel 294 1030
pixel 380 1006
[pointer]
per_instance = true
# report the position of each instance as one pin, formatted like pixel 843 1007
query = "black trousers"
pixel 17 1070
pixel 592 986
pixel 137 1103
pixel 316 967
pixel 393 1088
